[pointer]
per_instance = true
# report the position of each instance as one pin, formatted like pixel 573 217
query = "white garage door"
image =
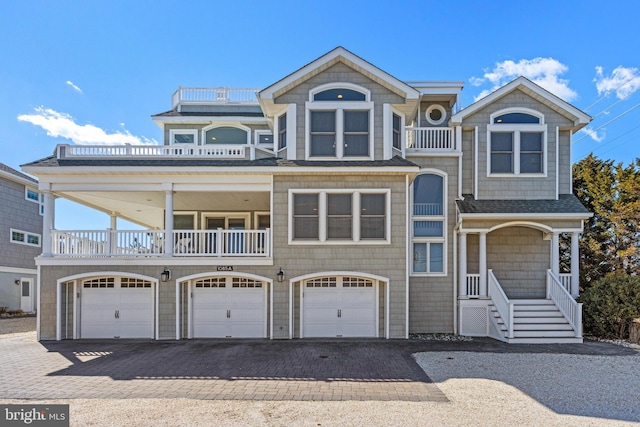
pixel 116 307
pixel 339 306
pixel 229 307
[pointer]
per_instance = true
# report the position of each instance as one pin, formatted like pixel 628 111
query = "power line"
pixel 606 95
pixel 609 122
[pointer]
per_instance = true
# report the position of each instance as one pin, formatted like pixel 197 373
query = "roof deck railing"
pixel 213 95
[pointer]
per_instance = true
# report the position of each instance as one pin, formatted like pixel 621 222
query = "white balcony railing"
pixel 568 306
pixel 198 95
pixel 473 285
pixel 436 139
pixel 501 303
pixel 565 279
pixel 150 243
pixel 115 151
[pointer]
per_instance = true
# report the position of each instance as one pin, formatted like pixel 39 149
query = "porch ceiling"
pixel 146 208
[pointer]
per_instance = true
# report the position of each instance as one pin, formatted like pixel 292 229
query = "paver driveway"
pixel 236 370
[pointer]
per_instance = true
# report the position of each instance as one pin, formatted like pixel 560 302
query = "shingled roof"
pixel 566 204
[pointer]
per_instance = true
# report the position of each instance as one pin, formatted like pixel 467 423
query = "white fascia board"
pixel 581 117
pixel 337 53
pixel 16 270
pixel 157 261
pixel 427 87
pixel 18 179
pixel 208 119
pixel 524 215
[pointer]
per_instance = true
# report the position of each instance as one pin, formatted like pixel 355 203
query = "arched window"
pixel 428 224
pixel 226 135
pixel 339 94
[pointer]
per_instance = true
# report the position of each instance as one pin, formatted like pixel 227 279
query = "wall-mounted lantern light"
pixel 280 275
pixel 165 276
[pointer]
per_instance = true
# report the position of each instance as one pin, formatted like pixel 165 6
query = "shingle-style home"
pixel 21 234
pixel 338 202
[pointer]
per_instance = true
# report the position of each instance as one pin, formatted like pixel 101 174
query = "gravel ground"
pixel 484 389
pixel 16 325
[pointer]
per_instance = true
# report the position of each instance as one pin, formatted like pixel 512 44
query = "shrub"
pixel 610 304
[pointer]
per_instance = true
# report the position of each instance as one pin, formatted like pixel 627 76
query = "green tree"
pixel 610 241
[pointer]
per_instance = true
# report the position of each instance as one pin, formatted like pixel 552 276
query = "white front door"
pixel 229 307
pixel 26 295
pixel 116 307
pixel 340 306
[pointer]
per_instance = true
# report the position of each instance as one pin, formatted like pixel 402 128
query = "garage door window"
pixel 211 282
pixel 101 282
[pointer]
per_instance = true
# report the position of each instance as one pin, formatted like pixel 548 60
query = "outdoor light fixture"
pixel 280 275
pixel 165 275
pixel 17 282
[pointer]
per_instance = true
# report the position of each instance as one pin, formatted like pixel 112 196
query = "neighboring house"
pixel 337 202
pixel 21 234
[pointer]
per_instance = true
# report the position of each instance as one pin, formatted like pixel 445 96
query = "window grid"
pixel 132 282
pixel 322 282
pixel 99 282
pixel 243 282
pixel 428 224
pixel 24 238
pixel 211 282
pixel 356 282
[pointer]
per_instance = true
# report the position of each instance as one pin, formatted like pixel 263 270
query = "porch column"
pixel 168 220
pixel 555 254
pixel 575 265
pixel 462 266
pixel 47 222
pixel 482 263
pixel 113 226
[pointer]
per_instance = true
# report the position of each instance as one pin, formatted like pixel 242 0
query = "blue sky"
pixel 94 71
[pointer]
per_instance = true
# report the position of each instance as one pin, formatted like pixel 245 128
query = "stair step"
pixel 532 307
pixel 545 340
pixel 543 328
pixel 532 301
pixel 534 313
pixel 555 320
pixel 544 334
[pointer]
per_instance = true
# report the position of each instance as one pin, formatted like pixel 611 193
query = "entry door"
pixel 26 295
pixel 234 242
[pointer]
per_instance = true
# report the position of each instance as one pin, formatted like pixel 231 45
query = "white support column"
pixel 178 310
pixel 47 222
pixel 168 220
pixel 113 227
pixel 575 265
pixel 462 266
pixel 482 263
pixel 58 311
pixel 555 253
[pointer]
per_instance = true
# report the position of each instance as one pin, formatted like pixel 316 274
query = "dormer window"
pixel 339 123
pixel 517 143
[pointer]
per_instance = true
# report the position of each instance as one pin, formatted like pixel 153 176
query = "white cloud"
pixel 76 88
pixel 545 72
pixel 61 125
pixel 622 80
pixel 594 134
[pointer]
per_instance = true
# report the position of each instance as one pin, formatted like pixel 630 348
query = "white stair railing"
pixel 568 306
pixel 501 302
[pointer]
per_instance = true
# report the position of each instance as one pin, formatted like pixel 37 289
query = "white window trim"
pixel 173 132
pixel 226 125
pixel 40 200
pixel 430 108
pixel 256 138
pixel 445 226
pixel 26 237
pixel 516 128
pixel 355 210
pixel 338 108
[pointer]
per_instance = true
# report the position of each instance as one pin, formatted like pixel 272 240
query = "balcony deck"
pixel 213 96
pixel 152 243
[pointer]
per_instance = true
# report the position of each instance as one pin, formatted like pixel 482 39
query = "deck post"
pixel 462 266
pixel 168 220
pixel 482 263
pixel 575 265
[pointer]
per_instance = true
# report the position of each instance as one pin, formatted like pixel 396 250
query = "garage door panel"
pixel 337 310
pixel 221 312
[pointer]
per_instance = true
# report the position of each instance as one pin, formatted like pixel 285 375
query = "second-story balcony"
pixel 152 243
pixel 431 140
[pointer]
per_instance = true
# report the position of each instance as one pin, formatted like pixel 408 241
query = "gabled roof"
pixel 580 118
pixel 17 176
pixel 337 55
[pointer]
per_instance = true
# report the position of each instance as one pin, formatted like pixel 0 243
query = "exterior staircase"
pixel 535 321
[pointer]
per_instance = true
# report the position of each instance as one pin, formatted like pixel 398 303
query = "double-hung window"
pixel 282 132
pixel 339 216
pixel 339 123
pixel 428 225
pixel 517 144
